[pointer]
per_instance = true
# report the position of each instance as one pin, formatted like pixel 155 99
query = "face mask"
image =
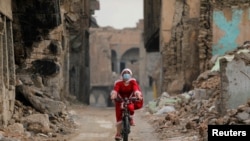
pixel 126 76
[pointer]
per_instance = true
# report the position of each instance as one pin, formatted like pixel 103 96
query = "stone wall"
pixel 54 34
pixel 39 53
pixel 104 41
pixel 40 42
pixel 77 22
pixel 110 51
pixel 5 8
pixel 190 34
pixel 235 80
pixel 152 20
pixel 179 48
pixel 7 70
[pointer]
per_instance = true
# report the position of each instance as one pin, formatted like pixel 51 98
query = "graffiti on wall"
pixel 230 28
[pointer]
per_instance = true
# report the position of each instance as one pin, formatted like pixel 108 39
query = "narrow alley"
pixel 98 124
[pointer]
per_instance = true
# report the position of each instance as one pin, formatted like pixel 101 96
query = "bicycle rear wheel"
pixel 126 128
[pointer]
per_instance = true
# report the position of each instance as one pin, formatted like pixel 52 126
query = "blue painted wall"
pixel 230 28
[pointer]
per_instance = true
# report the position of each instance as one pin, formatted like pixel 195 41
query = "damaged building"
pixel 7 63
pixel 111 51
pixel 44 49
pixel 44 53
pixel 188 34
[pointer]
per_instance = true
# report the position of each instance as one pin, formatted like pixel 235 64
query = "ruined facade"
pixel 112 50
pixel 7 63
pixel 77 22
pixel 44 46
pixel 37 41
pixel 189 33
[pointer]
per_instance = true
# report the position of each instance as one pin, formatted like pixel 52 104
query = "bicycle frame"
pixel 126 116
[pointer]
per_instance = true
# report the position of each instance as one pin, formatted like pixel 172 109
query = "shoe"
pixel 132 123
pixel 118 137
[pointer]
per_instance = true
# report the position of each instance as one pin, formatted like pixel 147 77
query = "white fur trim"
pixel 127 69
pixel 138 92
pixel 132 79
pixel 119 80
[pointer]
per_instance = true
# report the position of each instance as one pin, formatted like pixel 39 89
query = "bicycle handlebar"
pixel 129 99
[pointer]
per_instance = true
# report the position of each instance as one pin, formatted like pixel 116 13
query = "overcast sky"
pixel 119 13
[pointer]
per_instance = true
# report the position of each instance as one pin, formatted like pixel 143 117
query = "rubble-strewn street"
pixel 100 123
pixel 178 117
pixel 186 116
pixel 83 123
pixel 58 66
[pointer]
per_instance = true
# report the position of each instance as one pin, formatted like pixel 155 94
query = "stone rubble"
pixel 29 125
pixel 175 117
pixel 196 109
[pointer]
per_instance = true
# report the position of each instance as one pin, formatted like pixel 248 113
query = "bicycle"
pixel 125 116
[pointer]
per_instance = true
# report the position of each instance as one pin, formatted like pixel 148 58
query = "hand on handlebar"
pixel 138 95
pixel 113 95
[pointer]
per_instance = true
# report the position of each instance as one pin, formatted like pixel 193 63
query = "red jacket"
pixel 125 90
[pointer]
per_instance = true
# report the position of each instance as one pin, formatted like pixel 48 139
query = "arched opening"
pixel 130 59
pixel 114 61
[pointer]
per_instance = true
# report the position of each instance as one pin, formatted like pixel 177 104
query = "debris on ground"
pixel 192 112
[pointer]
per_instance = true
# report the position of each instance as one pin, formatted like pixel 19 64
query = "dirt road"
pixel 98 124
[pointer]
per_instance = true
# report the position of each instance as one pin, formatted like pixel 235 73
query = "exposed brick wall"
pixel 124 43
pixel 7 71
pixel 187 46
pixel 180 55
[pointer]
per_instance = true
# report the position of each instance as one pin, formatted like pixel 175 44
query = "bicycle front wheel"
pixel 126 128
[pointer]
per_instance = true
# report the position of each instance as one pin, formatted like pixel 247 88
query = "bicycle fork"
pixel 125 126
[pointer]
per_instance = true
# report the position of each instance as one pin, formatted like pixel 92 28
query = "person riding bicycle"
pixel 126 86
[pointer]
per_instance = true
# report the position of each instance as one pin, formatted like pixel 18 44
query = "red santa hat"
pixel 126 69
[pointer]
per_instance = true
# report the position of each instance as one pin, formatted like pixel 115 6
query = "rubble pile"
pixel 37 115
pixel 29 124
pixel 193 116
pixel 196 109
